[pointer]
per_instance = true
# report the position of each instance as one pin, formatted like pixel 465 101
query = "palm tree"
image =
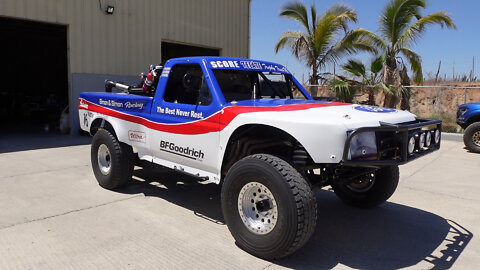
pixel 401 26
pixel 369 81
pixel 321 42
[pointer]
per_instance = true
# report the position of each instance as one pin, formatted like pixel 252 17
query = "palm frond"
pixel 370 38
pixel 350 43
pixel 343 15
pixel 298 43
pixel 355 67
pixel 313 13
pixel 324 33
pixel 329 24
pixel 288 38
pixel 397 16
pixel 298 12
pixel 415 64
pixel 377 64
pixel 343 90
pixel 414 32
pixel 389 89
pixel 362 46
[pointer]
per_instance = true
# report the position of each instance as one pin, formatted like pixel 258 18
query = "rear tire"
pixel 112 161
pixel 268 206
pixel 471 137
pixel 370 190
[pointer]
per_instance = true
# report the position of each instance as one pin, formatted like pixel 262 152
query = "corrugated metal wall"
pixel 127 41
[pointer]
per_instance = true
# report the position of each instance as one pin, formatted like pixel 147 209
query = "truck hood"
pixel 356 116
pixel 321 127
pixel 307 112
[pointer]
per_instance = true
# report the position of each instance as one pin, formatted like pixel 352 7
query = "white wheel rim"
pixel 104 159
pixel 476 138
pixel 257 208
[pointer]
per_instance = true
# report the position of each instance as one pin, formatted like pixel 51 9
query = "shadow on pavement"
pixel 470 152
pixel 203 198
pixel 391 236
pixel 14 140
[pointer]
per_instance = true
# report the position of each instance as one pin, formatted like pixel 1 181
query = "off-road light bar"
pixel 437 136
pixel 428 138
pixel 411 145
pixel 421 140
pixel 397 143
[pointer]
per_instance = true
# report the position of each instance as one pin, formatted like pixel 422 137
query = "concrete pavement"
pixel 55 216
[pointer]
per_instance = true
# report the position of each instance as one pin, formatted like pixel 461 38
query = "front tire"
pixel 112 161
pixel 268 206
pixel 471 137
pixel 369 190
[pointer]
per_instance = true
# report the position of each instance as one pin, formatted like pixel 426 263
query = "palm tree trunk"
pixel 314 80
pixel 371 97
pixel 406 92
pixel 391 78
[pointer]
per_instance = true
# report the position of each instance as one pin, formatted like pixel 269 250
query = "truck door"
pixel 185 131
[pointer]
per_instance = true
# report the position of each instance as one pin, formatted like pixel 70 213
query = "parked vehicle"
pixel 468 117
pixel 251 126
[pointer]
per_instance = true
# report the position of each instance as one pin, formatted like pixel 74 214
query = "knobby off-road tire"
pixel 370 190
pixel 268 206
pixel 471 137
pixel 112 161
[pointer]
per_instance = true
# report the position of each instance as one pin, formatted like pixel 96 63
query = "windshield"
pixel 239 85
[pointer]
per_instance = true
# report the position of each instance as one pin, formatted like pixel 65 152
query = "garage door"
pixel 33 75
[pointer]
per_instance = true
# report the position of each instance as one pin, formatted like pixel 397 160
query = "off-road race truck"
pixel 468 117
pixel 251 126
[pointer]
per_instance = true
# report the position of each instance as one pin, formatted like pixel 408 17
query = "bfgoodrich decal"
pixel 187 152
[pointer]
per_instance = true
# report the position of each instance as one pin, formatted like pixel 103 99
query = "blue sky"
pixel 452 47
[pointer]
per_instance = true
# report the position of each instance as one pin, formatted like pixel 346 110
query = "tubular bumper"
pixel 392 143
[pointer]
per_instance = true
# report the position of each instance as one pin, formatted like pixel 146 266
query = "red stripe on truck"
pixel 214 123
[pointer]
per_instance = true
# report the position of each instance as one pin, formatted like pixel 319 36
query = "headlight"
pixel 428 139
pixel 462 112
pixel 411 145
pixel 421 141
pixel 437 136
pixel 363 146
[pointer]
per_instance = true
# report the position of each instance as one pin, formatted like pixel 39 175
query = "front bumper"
pixel 392 143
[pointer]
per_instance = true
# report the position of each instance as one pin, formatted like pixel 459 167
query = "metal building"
pixel 52 50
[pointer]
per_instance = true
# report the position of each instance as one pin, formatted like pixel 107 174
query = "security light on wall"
pixel 110 10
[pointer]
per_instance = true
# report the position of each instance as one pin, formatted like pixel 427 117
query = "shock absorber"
pixel 300 155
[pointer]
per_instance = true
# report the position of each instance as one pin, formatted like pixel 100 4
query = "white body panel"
pixel 148 147
pixel 322 131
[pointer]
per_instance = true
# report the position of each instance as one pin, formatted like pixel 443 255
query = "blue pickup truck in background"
pixel 468 117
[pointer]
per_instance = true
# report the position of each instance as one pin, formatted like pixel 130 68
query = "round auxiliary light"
pixel 421 141
pixel 411 145
pixel 437 136
pixel 428 139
